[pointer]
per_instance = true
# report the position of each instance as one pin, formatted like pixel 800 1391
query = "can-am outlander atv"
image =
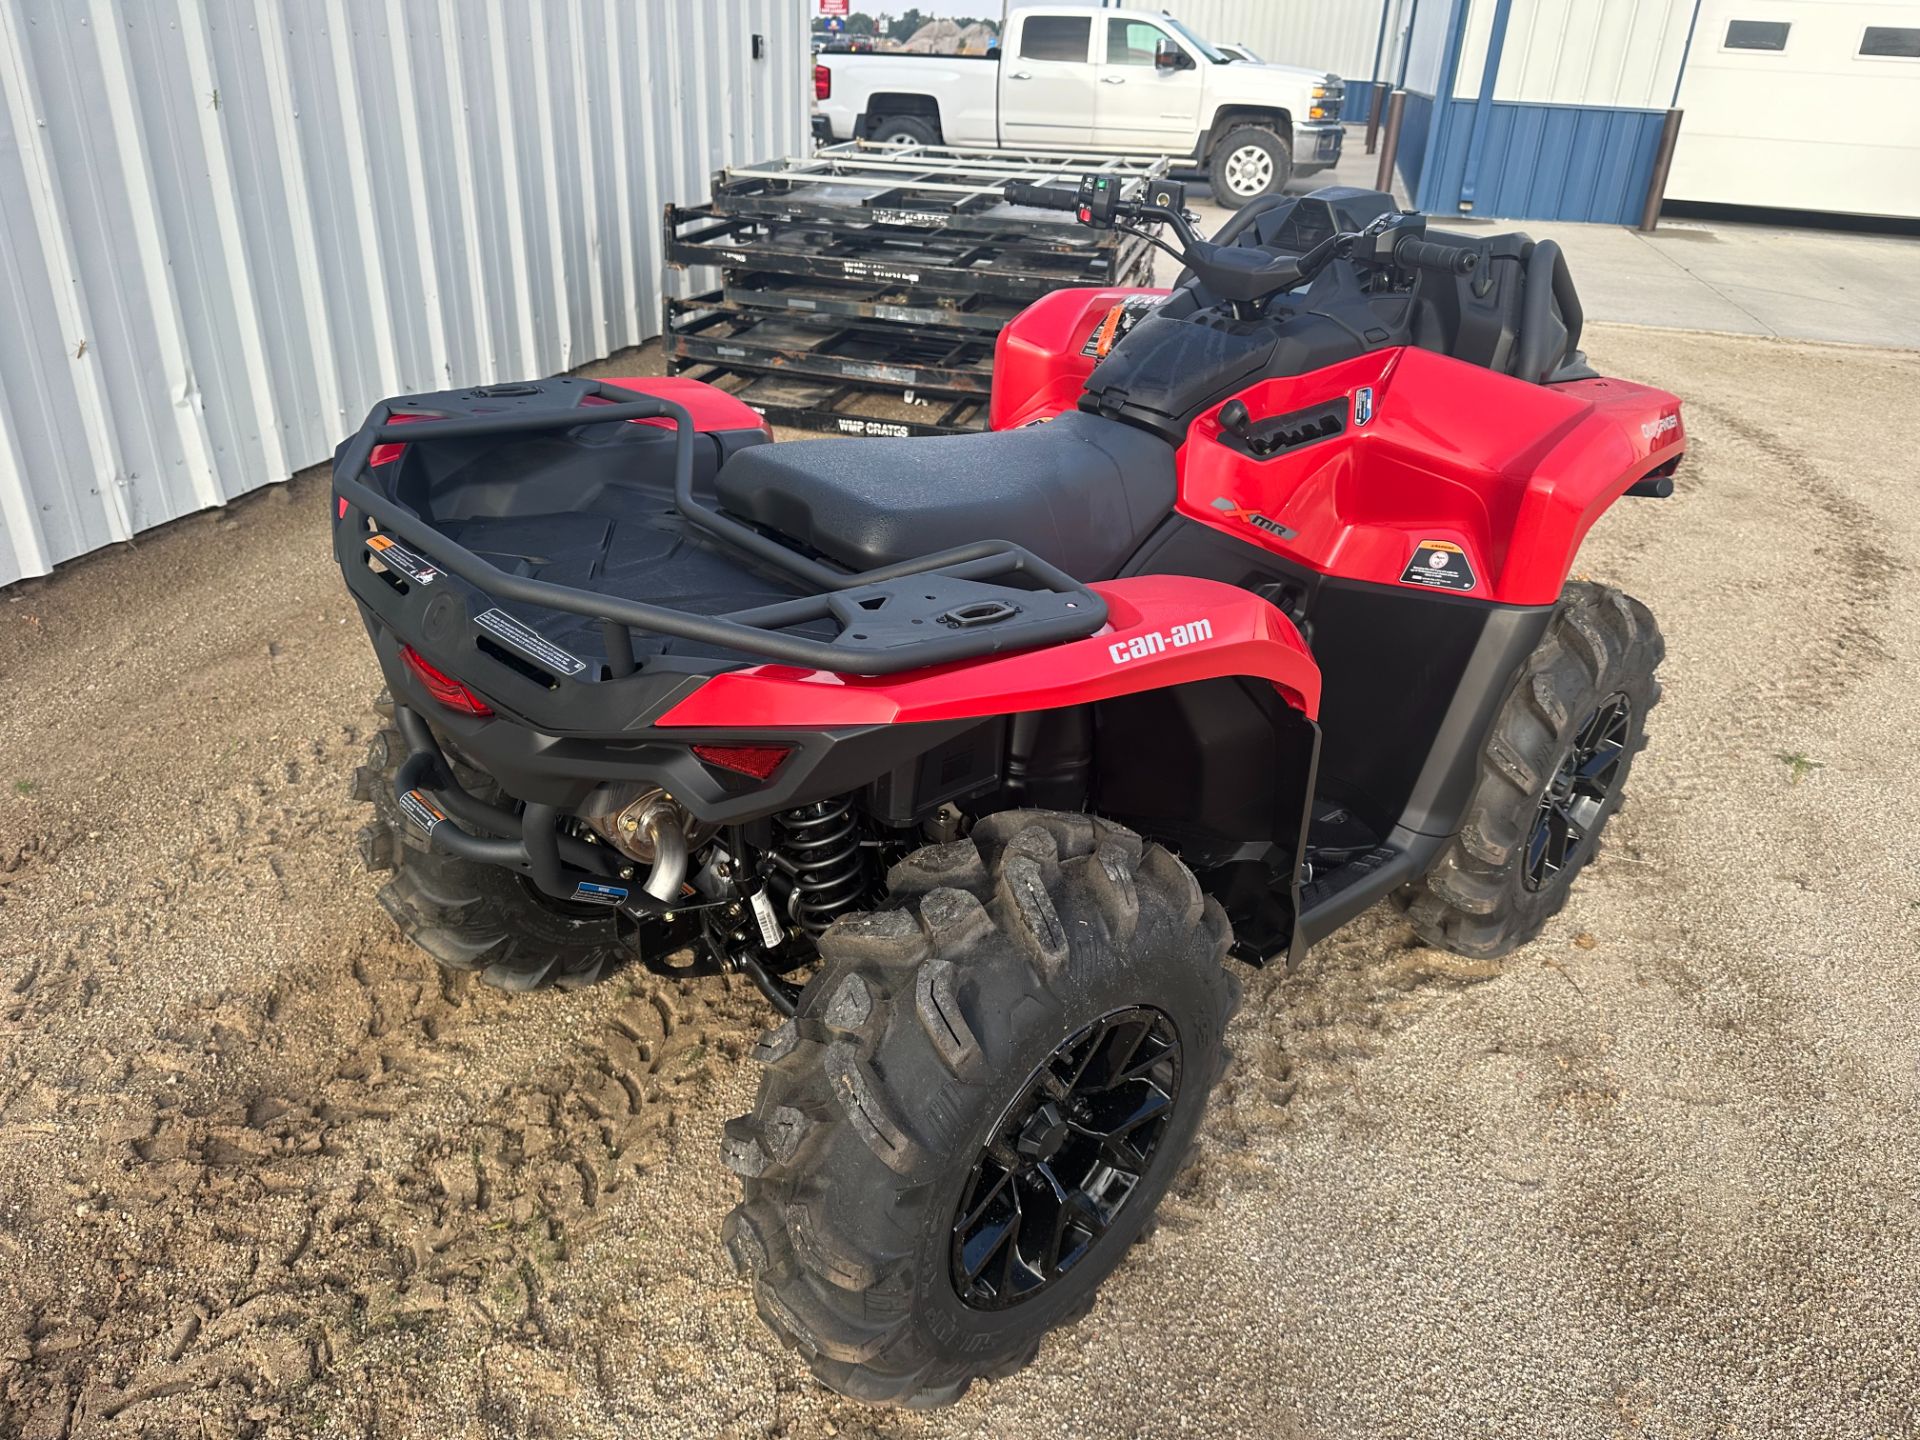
pixel 980 755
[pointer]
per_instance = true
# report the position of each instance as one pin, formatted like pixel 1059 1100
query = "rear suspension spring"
pixel 819 852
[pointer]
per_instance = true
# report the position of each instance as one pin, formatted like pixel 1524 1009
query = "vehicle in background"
pixel 1124 82
pixel 1240 51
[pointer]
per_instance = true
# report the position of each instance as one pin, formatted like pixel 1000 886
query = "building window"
pixel 1891 40
pixel 1757 34
pixel 1056 37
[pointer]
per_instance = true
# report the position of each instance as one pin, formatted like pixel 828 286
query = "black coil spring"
pixel 819 852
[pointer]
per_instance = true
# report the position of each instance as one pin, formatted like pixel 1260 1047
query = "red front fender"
pixel 1162 630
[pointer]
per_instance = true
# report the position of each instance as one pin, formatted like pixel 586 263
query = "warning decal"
pixel 594 894
pixel 1440 564
pixel 530 643
pixel 421 811
pixel 396 556
pixel 1118 321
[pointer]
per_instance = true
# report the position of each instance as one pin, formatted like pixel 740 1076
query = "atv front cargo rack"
pixel 984 598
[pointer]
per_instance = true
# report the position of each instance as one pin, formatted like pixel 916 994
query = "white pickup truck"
pixel 1124 82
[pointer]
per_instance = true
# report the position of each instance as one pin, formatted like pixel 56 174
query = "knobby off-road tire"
pixel 915 1045
pixel 470 917
pixel 1591 679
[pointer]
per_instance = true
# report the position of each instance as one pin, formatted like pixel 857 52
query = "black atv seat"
pixel 1079 491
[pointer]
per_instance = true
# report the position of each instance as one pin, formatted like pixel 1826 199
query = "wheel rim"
pixel 1065 1158
pixel 1249 170
pixel 1576 798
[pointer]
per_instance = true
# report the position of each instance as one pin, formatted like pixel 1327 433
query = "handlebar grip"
pixel 1449 259
pixel 1040 197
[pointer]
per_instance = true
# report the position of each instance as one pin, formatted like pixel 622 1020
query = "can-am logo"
pixel 1155 642
pixel 1654 429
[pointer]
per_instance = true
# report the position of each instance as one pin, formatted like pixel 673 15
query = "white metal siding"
pixel 227 227
pixel 1426 46
pixel 1617 53
pixel 1336 35
pixel 1816 126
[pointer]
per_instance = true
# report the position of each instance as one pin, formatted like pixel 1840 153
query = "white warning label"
pixel 529 642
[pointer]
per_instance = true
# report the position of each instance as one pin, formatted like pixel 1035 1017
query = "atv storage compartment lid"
pixel 1080 491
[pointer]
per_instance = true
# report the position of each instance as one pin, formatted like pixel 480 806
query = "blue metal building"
pixel 1538 109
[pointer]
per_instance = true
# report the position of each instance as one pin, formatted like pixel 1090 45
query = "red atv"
pixel 1005 743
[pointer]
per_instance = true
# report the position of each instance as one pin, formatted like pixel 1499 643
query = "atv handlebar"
pixel 1244 276
pixel 1425 255
pixel 1040 197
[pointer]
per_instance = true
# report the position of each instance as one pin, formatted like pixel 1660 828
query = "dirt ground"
pixel 264 1172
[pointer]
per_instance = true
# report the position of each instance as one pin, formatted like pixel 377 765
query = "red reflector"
pixel 392 450
pixel 444 688
pixel 822 83
pixel 757 761
pixel 342 513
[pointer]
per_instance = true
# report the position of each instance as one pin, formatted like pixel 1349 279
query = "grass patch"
pixel 1799 766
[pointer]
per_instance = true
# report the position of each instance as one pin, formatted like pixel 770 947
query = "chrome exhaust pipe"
pixel 664 826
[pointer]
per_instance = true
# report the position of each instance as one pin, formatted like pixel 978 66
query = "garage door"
pixel 1803 105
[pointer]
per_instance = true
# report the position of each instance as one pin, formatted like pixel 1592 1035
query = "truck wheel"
pixel 902 130
pixel 1553 773
pixel 479 918
pixel 988 1088
pixel 1249 161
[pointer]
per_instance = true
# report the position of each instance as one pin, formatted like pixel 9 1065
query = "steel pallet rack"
pixel 862 287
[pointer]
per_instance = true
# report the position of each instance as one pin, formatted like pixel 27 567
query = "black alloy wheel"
pixel 1065 1157
pixel 1577 795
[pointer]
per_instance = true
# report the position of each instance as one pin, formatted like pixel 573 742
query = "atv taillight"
pixel 822 83
pixel 444 688
pixel 392 450
pixel 756 761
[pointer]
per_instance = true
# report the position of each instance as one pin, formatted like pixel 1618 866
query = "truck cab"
pixel 1123 82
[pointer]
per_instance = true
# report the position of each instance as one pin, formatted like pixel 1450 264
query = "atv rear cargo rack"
pixel 953 609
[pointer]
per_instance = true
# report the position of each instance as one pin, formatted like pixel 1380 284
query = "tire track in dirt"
pixel 313 1229
pixel 1828 542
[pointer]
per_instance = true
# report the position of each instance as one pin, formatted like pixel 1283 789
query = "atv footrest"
pixel 1329 883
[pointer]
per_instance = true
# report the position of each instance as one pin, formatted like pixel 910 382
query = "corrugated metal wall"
pixel 1576 52
pixel 1336 35
pixel 1540 109
pixel 227 227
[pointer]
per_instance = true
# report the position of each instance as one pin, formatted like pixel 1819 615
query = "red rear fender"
pixel 1162 630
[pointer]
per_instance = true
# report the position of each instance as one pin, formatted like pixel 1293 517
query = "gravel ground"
pixel 264 1172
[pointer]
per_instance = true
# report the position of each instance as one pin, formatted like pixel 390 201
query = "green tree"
pixel 860 23
pixel 908 21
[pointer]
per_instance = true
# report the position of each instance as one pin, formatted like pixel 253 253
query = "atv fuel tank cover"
pixel 1439 565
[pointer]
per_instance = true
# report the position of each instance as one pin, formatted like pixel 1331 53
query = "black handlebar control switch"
pixel 1099 200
